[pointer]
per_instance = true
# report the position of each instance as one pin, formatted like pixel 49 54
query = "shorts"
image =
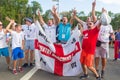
pixel 102 51
pixel 87 59
pixel 4 52
pixel 17 53
pixel 29 45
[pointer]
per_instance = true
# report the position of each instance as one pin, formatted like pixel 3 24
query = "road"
pixel 112 72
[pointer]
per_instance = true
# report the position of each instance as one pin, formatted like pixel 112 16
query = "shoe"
pixel 115 59
pixel 97 71
pixel 9 68
pixel 84 76
pixel 14 71
pixel 25 65
pixel 98 78
pixel 102 74
pixel 20 69
pixel 31 64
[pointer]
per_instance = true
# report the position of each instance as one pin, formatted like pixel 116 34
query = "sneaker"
pixel 97 71
pixel 84 76
pixel 9 68
pixel 102 74
pixel 25 65
pixel 98 78
pixel 31 64
pixel 14 71
pixel 20 69
pixel 115 59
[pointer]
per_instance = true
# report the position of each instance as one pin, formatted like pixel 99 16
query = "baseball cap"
pixel 28 19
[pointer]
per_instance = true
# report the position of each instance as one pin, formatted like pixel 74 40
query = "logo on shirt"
pixel 85 36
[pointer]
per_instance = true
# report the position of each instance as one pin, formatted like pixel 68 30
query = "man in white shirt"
pixel 102 50
pixel 29 30
pixel 50 27
pixel 4 51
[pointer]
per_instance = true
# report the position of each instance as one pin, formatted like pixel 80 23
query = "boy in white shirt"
pixel 4 51
pixel 17 46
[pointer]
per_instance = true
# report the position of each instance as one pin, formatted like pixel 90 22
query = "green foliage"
pixel 17 9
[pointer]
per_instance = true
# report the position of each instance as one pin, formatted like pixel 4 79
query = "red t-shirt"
pixel 89 40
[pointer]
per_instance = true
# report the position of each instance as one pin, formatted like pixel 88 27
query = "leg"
pixel 84 68
pixel 97 59
pixel 31 56
pixel 8 61
pixel 20 62
pixel 104 61
pixel 26 58
pixel 14 67
pixel 115 50
pixel 26 55
pixel 93 70
pixel 20 69
pixel 14 64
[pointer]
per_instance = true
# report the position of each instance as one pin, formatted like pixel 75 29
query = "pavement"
pixel 31 73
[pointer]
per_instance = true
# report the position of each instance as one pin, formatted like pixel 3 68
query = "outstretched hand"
pixel 12 21
pixel 94 3
pixel 54 10
pixel 74 12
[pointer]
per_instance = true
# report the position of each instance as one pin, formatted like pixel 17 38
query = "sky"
pixel 81 5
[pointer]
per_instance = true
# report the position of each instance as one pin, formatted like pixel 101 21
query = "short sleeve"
pixel 111 29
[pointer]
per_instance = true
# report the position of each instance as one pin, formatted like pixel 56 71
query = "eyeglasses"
pixel 0 24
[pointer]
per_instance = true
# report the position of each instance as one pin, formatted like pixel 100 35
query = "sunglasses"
pixel 0 24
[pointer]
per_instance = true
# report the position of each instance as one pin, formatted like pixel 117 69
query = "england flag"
pixel 60 59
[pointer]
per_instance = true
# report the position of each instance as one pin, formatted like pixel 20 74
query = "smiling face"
pixel 64 20
pixel 18 28
pixel 89 22
pixel 50 22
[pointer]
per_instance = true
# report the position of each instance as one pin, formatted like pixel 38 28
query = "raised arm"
pixel 40 18
pixel 55 15
pixel 9 25
pixel 93 12
pixel 76 18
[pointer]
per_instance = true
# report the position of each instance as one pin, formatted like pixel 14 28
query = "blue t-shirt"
pixel 64 32
pixel 117 36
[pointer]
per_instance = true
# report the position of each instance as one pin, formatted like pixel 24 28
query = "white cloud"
pixel 110 1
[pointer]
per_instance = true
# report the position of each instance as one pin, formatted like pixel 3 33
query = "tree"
pixel 14 9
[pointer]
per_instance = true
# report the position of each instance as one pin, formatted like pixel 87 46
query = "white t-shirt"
pixel 17 39
pixel 29 31
pixel 50 32
pixel 3 43
pixel 85 26
pixel 104 33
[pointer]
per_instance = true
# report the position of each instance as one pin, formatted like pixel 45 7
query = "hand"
pixel 94 3
pixel 12 21
pixel 22 47
pixel 7 18
pixel 39 13
pixel 54 10
pixel 74 12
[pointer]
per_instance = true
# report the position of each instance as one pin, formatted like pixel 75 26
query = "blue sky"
pixel 81 5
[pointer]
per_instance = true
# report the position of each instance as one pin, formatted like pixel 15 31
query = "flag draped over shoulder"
pixel 60 59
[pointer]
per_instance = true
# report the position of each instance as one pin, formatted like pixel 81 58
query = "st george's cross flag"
pixel 61 59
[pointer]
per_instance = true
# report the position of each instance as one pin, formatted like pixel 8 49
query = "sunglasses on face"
pixel 0 24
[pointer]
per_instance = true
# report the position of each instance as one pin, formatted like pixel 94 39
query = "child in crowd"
pixel 17 46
